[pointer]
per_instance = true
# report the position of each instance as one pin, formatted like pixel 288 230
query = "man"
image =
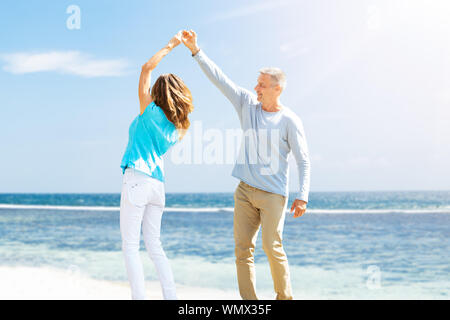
pixel 261 196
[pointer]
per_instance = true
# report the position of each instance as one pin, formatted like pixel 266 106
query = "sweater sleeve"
pixel 234 93
pixel 299 147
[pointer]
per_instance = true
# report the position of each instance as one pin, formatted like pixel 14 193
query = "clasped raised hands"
pixel 189 38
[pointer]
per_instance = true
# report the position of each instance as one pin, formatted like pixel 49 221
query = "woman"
pixel 162 121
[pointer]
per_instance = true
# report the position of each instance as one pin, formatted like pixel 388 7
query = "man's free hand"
pixel 299 206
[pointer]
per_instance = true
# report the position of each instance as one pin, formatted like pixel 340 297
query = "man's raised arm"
pixel 233 92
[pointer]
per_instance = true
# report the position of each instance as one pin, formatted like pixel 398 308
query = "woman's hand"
pixel 153 62
pixel 176 40
pixel 189 39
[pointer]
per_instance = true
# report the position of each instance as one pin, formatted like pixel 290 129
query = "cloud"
pixel 249 10
pixel 66 62
pixel 294 49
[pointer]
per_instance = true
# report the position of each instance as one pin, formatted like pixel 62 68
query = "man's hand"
pixel 299 206
pixel 189 39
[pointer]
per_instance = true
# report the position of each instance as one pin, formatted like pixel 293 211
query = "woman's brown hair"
pixel 171 94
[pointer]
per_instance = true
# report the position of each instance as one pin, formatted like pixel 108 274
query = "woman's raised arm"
pixel 145 78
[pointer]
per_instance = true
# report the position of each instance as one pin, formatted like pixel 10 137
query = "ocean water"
pixel 363 245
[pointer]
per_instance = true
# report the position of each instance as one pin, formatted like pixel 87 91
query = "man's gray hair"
pixel 276 74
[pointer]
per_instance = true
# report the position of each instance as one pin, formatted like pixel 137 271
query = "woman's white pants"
pixel 141 206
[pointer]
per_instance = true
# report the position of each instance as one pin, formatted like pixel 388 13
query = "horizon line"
pixel 216 192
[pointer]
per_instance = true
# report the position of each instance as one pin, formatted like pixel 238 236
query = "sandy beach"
pixel 27 283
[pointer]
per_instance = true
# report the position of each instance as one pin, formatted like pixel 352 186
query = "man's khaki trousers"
pixel 254 207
